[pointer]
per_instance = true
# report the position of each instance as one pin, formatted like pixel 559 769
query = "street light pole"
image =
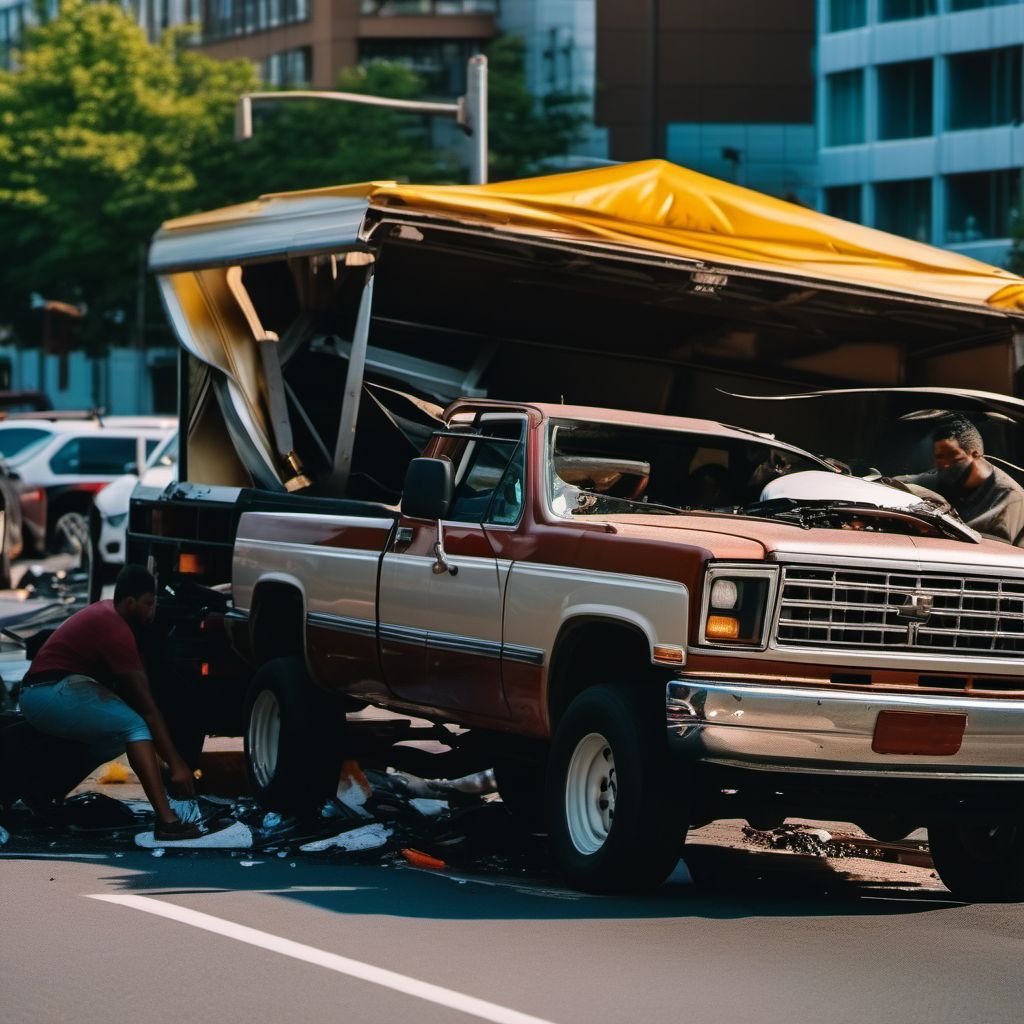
pixel 469 111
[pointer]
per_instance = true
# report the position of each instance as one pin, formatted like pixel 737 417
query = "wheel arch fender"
pixel 277 618
pixel 595 645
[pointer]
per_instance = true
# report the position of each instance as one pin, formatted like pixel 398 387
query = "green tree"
pixel 98 134
pixel 103 136
pixel 526 131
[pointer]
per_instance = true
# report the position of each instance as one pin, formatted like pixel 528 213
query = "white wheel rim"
pixel 264 737
pixel 590 791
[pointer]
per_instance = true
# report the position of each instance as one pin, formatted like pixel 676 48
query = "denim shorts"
pixel 79 708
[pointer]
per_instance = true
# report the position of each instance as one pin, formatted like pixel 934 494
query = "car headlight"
pixel 736 603
pixel 118 521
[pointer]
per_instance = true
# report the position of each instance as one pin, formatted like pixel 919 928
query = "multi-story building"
pixel 561 55
pixel 920 104
pixel 310 41
pixel 725 88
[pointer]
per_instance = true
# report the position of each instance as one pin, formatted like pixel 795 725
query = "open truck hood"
pixel 1000 417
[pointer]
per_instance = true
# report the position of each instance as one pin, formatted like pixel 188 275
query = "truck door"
pixel 441 634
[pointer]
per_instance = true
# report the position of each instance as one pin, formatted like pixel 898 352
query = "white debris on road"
pixel 366 837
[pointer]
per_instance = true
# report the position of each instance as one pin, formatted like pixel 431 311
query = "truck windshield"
pixel 602 468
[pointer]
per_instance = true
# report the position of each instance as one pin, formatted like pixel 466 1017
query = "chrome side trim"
pixel 342 623
pixel 435 641
pixel 520 653
pixel 463 644
pixel 402 634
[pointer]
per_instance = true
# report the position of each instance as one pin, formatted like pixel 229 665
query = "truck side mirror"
pixel 428 493
pixel 428 490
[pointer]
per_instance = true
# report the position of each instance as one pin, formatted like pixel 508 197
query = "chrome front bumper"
pixel 819 730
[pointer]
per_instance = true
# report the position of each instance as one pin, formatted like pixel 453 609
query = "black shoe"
pixel 175 831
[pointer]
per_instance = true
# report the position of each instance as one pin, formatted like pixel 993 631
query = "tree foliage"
pixel 525 131
pixel 104 135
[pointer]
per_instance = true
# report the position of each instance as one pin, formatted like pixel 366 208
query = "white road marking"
pixel 332 961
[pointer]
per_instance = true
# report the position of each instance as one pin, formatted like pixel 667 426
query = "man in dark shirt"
pixel 985 497
pixel 87 683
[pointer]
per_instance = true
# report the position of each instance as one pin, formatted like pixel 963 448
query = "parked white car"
pixel 73 459
pixel 109 535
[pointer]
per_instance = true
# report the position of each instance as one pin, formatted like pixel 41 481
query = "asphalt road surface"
pixel 216 937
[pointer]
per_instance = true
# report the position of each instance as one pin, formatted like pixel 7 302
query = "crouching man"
pixel 87 683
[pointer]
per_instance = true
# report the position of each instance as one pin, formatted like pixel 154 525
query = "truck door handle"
pixel 403 535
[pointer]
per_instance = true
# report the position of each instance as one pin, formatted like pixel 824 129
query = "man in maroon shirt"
pixel 87 683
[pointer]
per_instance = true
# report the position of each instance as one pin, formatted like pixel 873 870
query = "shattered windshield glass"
pixel 612 469
pixel 608 469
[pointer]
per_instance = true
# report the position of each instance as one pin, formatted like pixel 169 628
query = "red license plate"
pixel 918 732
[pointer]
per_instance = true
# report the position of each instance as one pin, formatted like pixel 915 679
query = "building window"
pixel 901 10
pixel 846 14
pixel 970 5
pixel 985 88
pixel 845 98
pixel 981 205
pixel 905 208
pixel 400 7
pixel 905 100
pixel 222 19
pixel 440 63
pixel 289 67
pixel 844 201
pixel 12 25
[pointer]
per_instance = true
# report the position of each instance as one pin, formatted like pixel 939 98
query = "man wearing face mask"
pixel 985 497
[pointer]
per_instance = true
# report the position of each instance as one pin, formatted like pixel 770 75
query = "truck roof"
pixel 653 421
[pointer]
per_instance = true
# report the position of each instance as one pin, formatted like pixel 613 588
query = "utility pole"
pixel 469 111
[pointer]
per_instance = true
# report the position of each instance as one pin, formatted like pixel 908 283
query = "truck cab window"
pixel 490 480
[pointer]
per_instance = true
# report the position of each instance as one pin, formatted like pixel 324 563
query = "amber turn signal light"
pixel 668 655
pixel 722 627
pixel 189 564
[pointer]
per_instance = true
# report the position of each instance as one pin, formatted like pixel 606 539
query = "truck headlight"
pixel 736 603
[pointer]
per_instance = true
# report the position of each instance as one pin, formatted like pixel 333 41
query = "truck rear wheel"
pixel 980 863
pixel 616 821
pixel 294 736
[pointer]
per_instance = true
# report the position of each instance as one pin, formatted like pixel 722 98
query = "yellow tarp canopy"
pixel 659 207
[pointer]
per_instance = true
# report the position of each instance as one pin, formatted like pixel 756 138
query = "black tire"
pixel 646 830
pixel 521 786
pixel 300 770
pixel 980 863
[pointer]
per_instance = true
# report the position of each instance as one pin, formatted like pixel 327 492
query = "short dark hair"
pixel 133 581
pixel 963 431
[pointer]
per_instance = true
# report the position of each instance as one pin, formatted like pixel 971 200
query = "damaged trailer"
pixel 323 331
pixel 643 287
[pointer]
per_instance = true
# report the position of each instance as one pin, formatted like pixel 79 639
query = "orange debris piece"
pixel 423 860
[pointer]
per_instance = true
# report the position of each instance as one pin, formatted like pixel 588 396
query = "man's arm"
pixel 133 687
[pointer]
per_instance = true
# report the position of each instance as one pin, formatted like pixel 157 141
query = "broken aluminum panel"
pixel 262 230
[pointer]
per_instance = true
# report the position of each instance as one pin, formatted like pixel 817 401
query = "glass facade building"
pixel 920 108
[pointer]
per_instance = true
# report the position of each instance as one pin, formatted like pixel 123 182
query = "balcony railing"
pixel 385 8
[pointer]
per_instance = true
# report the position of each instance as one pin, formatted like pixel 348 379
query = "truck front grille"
pixel 876 609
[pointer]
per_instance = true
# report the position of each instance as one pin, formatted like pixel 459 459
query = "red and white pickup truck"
pixel 656 622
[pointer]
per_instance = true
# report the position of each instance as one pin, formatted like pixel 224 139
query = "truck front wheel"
pixel 616 821
pixel 293 738
pixel 980 863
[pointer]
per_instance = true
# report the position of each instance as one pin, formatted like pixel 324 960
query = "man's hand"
pixel 182 784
